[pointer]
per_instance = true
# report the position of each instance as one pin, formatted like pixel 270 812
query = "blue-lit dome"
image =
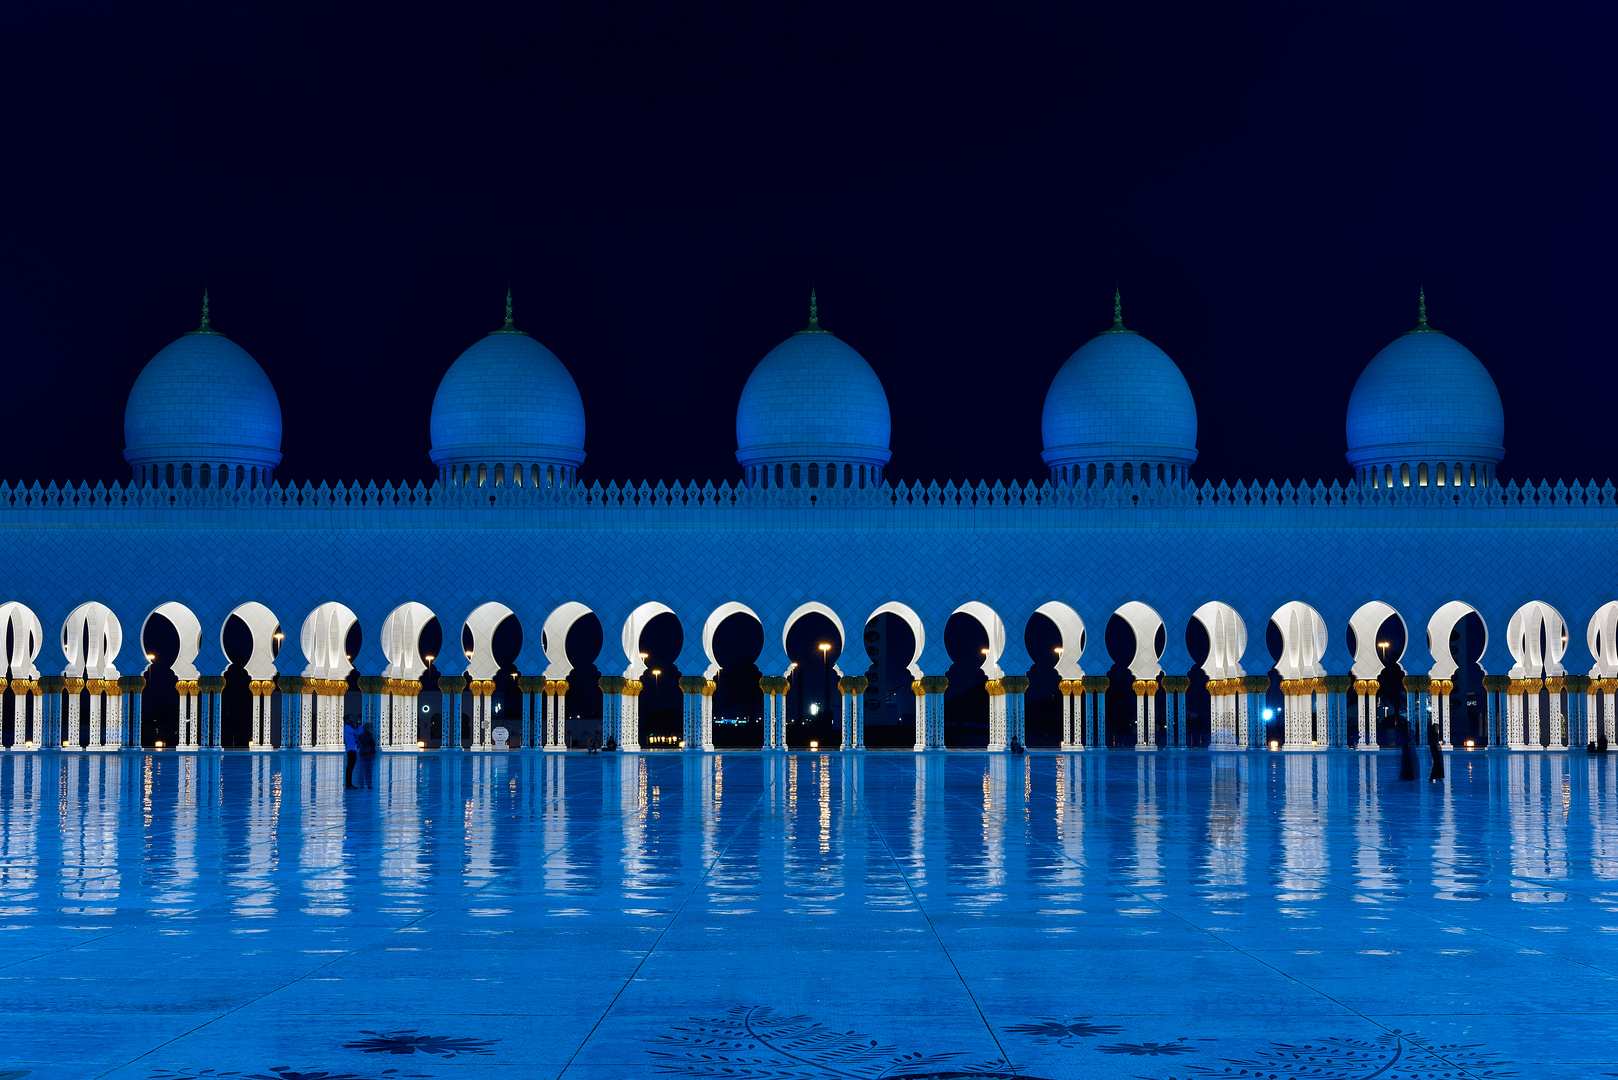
pixel 814 409
pixel 202 413
pixel 507 408
pixel 1119 409
pixel 1425 409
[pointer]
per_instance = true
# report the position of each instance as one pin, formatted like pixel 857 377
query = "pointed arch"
pixel 1071 627
pixel 633 626
pixel 189 629
pixel 1227 639
pixel 483 622
pixel 1536 636
pixel 1602 637
pixel 912 620
pixel 27 639
pixel 1439 628
pixel 816 607
pixel 553 638
pixel 711 625
pixel 992 626
pixel 1365 623
pixel 263 625
pixel 401 640
pixel 1303 640
pixel 1144 622
pixel 324 639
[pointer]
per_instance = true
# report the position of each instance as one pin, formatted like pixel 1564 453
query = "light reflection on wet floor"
pixel 530 915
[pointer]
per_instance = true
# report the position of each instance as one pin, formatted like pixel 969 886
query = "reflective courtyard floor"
pixel 1108 914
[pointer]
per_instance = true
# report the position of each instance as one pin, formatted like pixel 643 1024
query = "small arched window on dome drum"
pixel 207 475
pixel 1421 474
pixel 483 474
pixel 797 475
pixel 499 475
pixel 814 474
pixel 1404 474
pixel 1474 476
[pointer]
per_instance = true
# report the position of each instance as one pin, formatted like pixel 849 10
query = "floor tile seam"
pixel 696 886
pixel 460 897
pixel 859 801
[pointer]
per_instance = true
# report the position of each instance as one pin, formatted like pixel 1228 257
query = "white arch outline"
pixel 1534 661
pixel 816 607
pixel 634 626
pixel 401 640
pixel 1070 625
pixel 189 629
pixel 912 620
pixel 262 624
pixel 1439 628
pixel 1602 637
pixel 993 626
pixel 710 626
pixel 1303 640
pixel 27 639
pixel 324 639
pixel 1144 622
pixel 1227 639
pixel 553 637
pixel 1365 623
pixel 484 620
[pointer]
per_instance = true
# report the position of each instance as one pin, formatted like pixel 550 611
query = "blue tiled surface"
pixel 507 398
pixel 814 397
pixel 1119 398
pixel 1090 915
pixel 203 398
pixel 1424 398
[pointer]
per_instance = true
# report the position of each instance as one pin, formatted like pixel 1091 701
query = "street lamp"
pixel 825 677
pixel 1383 645
pixel 657 683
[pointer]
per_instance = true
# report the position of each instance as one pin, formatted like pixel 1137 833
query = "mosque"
pixel 1253 601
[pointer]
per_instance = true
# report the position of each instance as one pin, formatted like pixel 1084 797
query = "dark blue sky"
pixel 1268 183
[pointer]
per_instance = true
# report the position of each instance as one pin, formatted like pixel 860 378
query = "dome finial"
pixel 1421 314
pixel 1117 326
pixel 509 326
pixel 814 326
pixel 205 327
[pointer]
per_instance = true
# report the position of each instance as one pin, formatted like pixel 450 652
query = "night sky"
pixel 660 185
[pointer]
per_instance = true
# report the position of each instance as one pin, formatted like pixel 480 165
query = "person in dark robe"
pixel 1435 746
pixel 1407 755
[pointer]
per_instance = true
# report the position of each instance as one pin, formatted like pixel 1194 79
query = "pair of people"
pixel 360 745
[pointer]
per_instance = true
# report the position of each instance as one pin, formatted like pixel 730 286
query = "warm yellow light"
pixel 1059 650
pixel 420 744
pixel 430 658
pixel 1383 644
pixel 644 655
pixel 159 744
pixel 657 671
pixel 985 652
pixel 1274 745
pixel 1469 744
pixel 824 647
pixel 814 744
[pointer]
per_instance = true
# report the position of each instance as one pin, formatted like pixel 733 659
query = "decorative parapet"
pixel 25 504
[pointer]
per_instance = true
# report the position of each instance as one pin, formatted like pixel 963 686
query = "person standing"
pixel 367 748
pixel 1435 746
pixel 351 733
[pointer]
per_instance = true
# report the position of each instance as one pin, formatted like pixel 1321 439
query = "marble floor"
pixel 1107 914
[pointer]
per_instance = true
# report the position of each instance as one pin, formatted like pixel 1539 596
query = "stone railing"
pixel 21 501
